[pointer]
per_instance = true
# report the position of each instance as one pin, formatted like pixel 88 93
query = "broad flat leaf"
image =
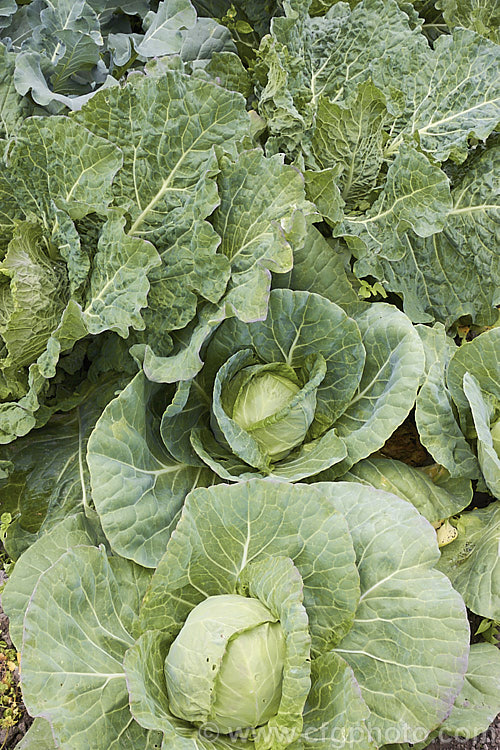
pixel 208 38
pixel 342 46
pixel 260 221
pixel 164 28
pixel 472 225
pixel 352 133
pixel 472 563
pixel 70 665
pixel 335 707
pixel 482 16
pixel 72 531
pixel 409 620
pixel 480 357
pixel 250 522
pixel 416 195
pixel 432 501
pixel 437 425
pixel 455 272
pixel 451 92
pixel 135 481
pixel 118 286
pixel 49 478
pixel 478 703
pixel 227 70
pixel 489 460
pixel 322 266
pixel 388 387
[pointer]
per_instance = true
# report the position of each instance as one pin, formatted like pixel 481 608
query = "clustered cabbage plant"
pixel 279 616
pixel 306 390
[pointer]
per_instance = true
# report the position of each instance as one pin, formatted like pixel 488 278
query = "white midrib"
pixel 165 186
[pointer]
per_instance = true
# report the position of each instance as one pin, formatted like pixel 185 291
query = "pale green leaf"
pixel 60 680
pixel 416 195
pixel 335 708
pixel 472 563
pixel 437 425
pixel 432 501
pixel 489 460
pixel 164 28
pixel 388 387
pixel 72 531
pixel 119 285
pixel 409 620
pixel 134 480
pixel 478 703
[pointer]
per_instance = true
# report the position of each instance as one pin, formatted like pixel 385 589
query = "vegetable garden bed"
pixel 250 374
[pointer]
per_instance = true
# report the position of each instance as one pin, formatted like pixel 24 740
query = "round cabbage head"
pixel 268 406
pixel 235 647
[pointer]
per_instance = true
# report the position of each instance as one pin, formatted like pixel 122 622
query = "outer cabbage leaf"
pixel 388 387
pixel 56 169
pixel 73 530
pixel 489 460
pixel 335 710
pixel 322 266
pixel 481 358
pixel 478 703
pixel 249 523
pixel 471 562
pixel 434 502
pixel 38 737
pixel 134 479
pixel 416 195
pixel 482 16
pixel 455 272
pixel 13 107
pixel 404 603
pixel 105 613
pixel 451 92
pixel 437 425
pixel 48 478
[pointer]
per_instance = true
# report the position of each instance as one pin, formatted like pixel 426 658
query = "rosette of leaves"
pixel 278 616
pixel 307 390
pixel 379 119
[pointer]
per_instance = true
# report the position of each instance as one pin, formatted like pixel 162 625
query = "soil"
pixel 11 737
